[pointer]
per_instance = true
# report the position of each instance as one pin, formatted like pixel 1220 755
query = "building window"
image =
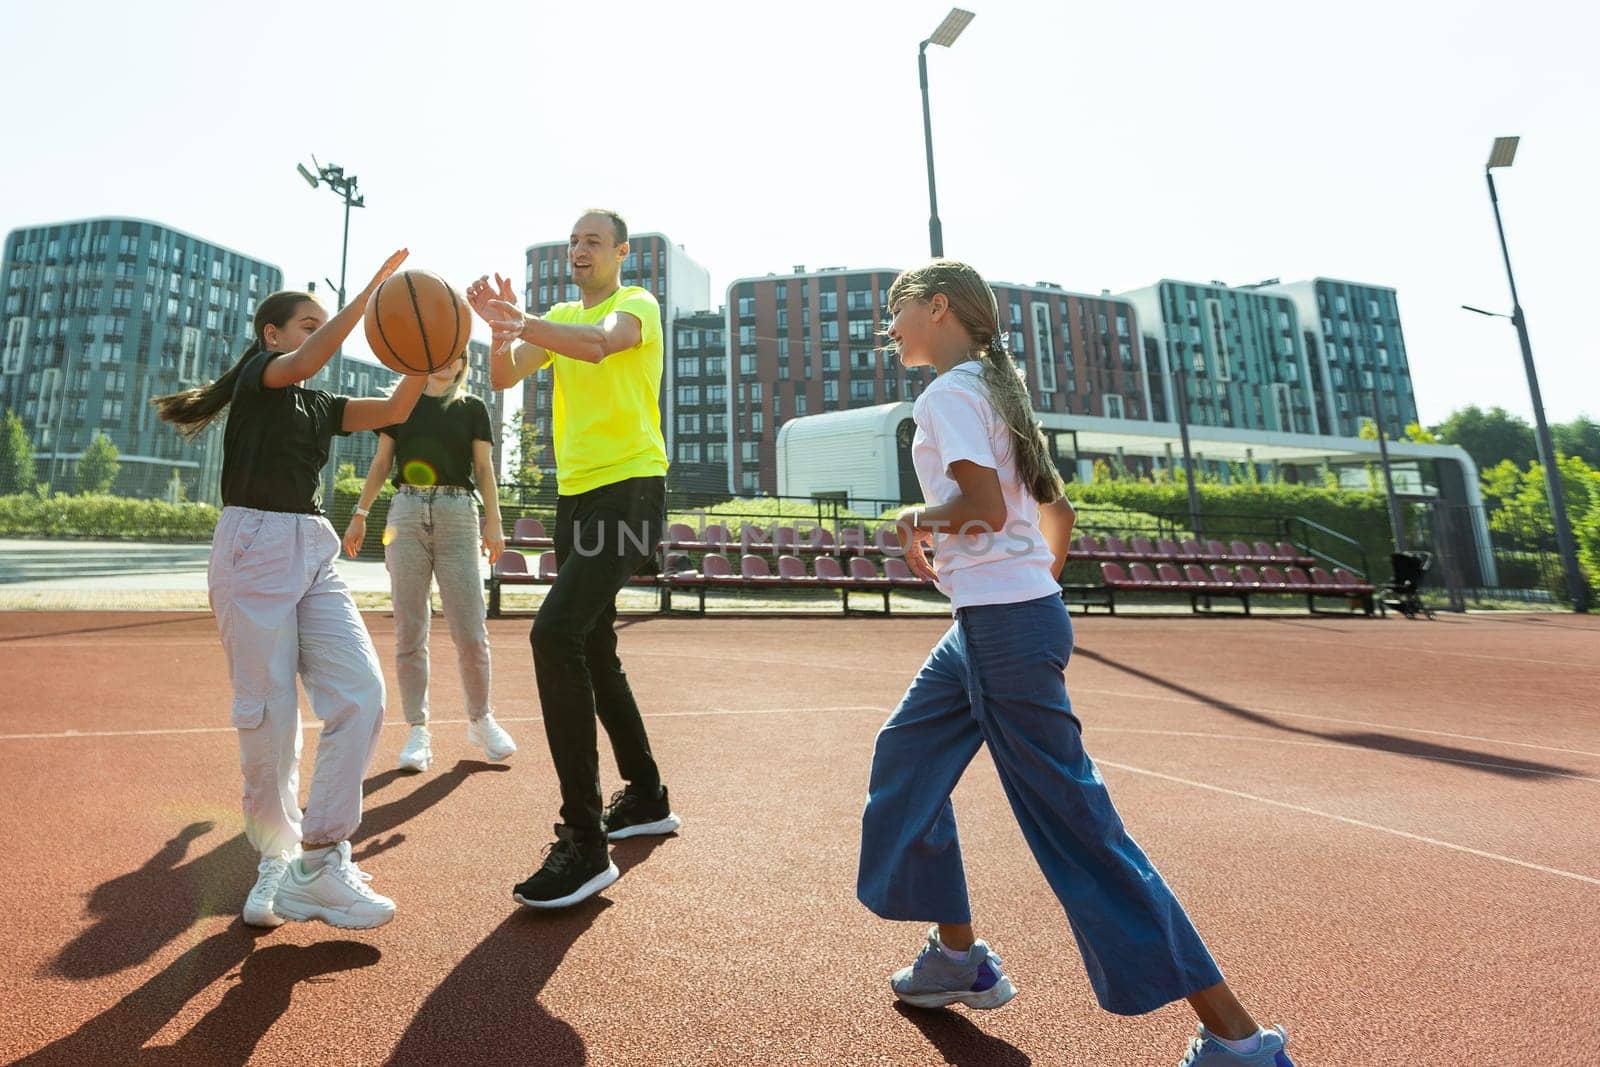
pixel 747 335
pixel 717 452
pixel 750 451
pixel 689 395
pixel 799 404
pixel 689 367
pixel 747 364
pixel 747 306
pixel 861 390
pixel 830 391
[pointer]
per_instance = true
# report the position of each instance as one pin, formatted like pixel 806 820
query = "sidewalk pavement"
pixel 30 566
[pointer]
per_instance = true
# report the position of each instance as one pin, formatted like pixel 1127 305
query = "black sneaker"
pixel 633 813
pixel 573 870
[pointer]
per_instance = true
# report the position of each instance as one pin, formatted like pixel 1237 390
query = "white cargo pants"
pixel 282 611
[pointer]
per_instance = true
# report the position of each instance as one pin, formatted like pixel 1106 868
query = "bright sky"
pixel 1094 145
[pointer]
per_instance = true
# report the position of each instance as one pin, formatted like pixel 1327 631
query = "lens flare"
pixel 418 472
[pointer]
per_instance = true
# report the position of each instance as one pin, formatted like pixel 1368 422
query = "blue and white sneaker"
pixel 937 981
pixel 1207 1050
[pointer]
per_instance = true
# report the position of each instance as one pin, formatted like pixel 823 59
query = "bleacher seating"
pixel 1241 582
pixel 855 561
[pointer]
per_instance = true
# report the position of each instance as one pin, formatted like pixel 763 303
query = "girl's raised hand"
pixel 386 271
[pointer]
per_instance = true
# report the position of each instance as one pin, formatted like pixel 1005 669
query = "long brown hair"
pixel 973 304
pixel 191 410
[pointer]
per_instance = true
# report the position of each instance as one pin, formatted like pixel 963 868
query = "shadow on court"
pixel 129 928
pixel 960 1042
pixel 1488 762
pixel 487 1010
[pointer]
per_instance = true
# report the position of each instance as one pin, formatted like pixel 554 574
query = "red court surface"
pixel 1386 830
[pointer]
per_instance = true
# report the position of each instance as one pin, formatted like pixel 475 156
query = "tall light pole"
pixel 345 187
pixel 1395 524
pixel 1503 152
pixel 945 35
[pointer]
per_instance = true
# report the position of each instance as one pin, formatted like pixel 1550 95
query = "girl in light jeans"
pixel 437 456
pixel 283 611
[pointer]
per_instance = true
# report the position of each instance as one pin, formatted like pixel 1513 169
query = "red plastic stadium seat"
pixel 1297 577
pixel 1320 577
pixel 1290 554
pixel 1090 548
pixel 783 539
pixel 1272 578
pixel 1195 575
pixel 547 566
pixel 1238 550
pixel 717 534
pixel 1190 549
pixel 1167 548
pixel 864 572
pixel 793 569
pixel 898 571
pixel 820 538
pixel 1168 574
pixel 681 535
pixel 888 540
pixel 828 571
pixel 511 562
pixel 527 528
pixel 1143 548
pixel 852 539
pixel 1216 552
pixel 1221 575
pixel 1246 575
pixel 754 569
pixel 1114 576
pixel 1140 574
pixel 1116 548
pixel 1349 582
pixel 1265 553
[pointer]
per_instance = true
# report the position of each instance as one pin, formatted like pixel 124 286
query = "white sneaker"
pixel 491 737
pixel 334 890
pixel 258 910
pixel 418 753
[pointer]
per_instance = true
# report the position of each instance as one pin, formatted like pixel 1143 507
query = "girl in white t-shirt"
pixel 998 525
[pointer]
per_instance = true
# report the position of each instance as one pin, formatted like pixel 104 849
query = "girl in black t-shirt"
pixel 438 456
pixel 283 610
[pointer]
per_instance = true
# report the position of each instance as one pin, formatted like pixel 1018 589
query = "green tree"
pixel 1489 436
pixel 1418 435
pixel 528 473
pixel 1580 437
pixel 98 466
pixel 17 474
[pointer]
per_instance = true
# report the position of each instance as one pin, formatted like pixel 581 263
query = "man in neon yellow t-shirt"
pixel 605 351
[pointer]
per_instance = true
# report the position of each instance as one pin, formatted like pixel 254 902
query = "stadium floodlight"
pixel 945 34
pixel 1503 152
pixel 955 22
pixel 1501 155
pixel 311 179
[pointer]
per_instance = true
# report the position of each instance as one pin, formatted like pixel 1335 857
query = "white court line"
pixel 1346 746
pixel 1128 695
pixel 311 724
pixel 868 707
pixel 1585 665
pixel 1354 822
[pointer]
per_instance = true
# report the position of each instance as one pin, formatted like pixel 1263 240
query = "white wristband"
pixel 363 512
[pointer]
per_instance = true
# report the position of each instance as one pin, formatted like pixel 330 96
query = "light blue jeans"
pixel 997 678
pixel 433 533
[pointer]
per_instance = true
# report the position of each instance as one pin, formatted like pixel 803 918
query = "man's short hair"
pixel 618 224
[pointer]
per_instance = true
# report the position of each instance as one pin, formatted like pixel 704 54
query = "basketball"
pixel 417 323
